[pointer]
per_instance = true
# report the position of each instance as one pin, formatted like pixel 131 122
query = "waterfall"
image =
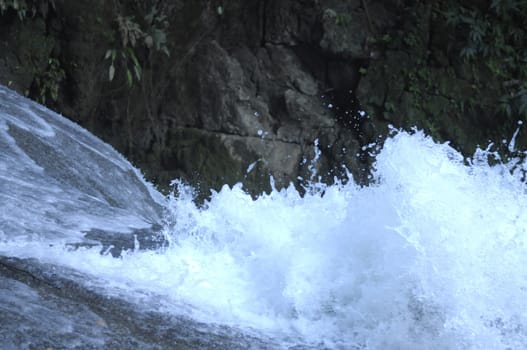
pixel 431 255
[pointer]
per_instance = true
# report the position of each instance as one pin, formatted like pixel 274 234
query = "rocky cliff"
pixel 217 92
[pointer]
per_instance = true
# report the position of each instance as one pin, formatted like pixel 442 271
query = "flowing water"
pixel 432 255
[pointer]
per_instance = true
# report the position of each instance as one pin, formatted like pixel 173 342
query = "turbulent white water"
pixel 432 256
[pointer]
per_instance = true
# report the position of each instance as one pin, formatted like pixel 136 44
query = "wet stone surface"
pixel 45 306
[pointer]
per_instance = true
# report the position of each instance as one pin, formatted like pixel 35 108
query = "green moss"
pixel 47 83
pixel 425 79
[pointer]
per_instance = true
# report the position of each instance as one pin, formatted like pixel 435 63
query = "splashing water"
pixel 430 256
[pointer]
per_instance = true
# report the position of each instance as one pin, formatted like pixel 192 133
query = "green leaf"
pixel 149 41
pixel 137 70
pixel 133 57
pixel 111 72
pixel 108 54
pixel 130 80
pixel 160 38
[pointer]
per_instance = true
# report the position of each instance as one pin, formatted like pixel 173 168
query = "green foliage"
pixel 27 8
pixel 128 56
pixel 343 19
pixel 48 82
pixel 134 37
pixel 515 102
pixel 496 36
pixel 155 36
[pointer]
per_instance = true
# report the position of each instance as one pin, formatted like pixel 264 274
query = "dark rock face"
pixel 256 90
pixel 244 87
pixel 252 84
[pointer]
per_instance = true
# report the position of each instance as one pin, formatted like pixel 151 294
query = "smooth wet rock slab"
pixel 45 306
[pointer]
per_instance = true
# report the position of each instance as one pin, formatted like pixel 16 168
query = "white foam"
pixel 432 256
